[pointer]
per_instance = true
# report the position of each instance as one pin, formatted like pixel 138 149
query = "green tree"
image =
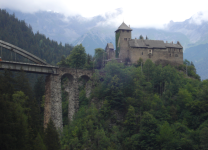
pixel 51 138
pixel 130 121
pixel 141 37
pixel 148 132
pixel 99 57
pixel 77 58
pixel 204 138
pixel 38 143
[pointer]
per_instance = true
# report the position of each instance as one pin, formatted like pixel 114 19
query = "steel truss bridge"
pixel 38 65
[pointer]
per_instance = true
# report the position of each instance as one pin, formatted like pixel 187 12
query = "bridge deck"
pixel 28 67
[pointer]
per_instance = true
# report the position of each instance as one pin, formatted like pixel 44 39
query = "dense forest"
pixel 20 34
pixel 130 107
pixel 141 107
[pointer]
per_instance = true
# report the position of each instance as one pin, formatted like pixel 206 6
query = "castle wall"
pixel 173 55
pixel 110 53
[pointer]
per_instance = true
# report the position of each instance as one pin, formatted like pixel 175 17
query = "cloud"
pixel 199 18
pixel 146 13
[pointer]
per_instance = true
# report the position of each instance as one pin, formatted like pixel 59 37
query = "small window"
pixel 176 55
pixel 125 39
pixel 142 53
pixel 179 50
pixel 170 55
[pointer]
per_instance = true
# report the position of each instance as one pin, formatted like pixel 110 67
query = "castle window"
pixel 142 53
pixel 169 49
pixel 176 55
pixel 179 50
pixel 125 39
pixel 170 55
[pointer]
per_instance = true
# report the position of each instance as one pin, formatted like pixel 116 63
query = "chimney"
pixel 166 41
pixel 129 26
pixel 135 38
pixel 172 42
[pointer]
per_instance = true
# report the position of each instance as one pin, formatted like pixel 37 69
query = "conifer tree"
pixel 51 138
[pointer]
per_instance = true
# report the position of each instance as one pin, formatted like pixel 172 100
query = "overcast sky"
pixel 137 13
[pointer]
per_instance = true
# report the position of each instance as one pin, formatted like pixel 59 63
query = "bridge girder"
pixel 23 53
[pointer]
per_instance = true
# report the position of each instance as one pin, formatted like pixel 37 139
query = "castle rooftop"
pixel 152 44
pixel 110 45
pixel 123 26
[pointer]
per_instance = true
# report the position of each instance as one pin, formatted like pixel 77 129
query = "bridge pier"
pixel 53 103
pixel 53 99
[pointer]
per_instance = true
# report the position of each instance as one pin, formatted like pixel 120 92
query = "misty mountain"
pixel 56 26
pixel 197 33
pixel 198 55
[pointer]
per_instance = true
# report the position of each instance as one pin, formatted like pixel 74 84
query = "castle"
pixel 131 50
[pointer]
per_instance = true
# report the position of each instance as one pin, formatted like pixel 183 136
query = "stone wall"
pixel 172 55
pixel 53 107
pixel 53 100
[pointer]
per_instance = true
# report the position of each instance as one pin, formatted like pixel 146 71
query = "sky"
pixel 136 13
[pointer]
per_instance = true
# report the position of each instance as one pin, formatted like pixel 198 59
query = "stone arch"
pixel 67 97
pixel 84 78
pixel 84 84
pixel 53 98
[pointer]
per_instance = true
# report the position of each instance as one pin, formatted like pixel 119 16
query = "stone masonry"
pixel 53 100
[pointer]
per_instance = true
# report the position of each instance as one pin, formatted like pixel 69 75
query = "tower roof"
pixel 123 26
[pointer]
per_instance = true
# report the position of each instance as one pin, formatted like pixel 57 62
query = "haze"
pixel 146 13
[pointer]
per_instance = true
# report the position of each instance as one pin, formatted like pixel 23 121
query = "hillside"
pixel 130 107
pixel 156 108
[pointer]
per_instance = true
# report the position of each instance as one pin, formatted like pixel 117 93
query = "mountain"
pixel 97 37
pixel 56 26
pixel 198 55
pixel 197 33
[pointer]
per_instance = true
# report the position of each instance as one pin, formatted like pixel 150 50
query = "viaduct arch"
pixel 53 99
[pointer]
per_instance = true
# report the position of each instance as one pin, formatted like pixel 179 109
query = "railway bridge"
pixel 53 82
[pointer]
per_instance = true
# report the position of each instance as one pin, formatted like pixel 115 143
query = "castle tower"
pixel 122 36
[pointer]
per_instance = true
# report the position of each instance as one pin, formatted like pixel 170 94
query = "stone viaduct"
pixel 53 99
